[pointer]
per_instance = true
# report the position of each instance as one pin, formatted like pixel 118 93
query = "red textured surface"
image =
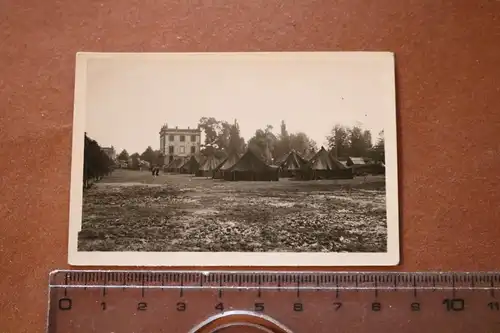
pixel 448 73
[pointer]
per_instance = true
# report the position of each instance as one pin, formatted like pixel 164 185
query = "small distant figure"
pixel 155 171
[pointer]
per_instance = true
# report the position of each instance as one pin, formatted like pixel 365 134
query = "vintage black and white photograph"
pixel 247 159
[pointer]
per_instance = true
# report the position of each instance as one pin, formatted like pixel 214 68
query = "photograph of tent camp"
pixel 227 154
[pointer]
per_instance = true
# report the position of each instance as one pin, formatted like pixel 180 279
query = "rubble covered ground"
pixel 133 211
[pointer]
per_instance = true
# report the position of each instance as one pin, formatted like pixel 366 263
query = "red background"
pixel 448 87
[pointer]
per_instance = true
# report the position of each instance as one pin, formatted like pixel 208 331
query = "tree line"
pixel 346 141
pixel 222 137
pixel 136 160
pixel 96 163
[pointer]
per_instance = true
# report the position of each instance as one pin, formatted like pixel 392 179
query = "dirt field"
pixel 133 211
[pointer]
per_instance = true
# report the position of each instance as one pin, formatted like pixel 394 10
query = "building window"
pixel 171 138
pixel 193 138
pixel 183 138
pixel 171 149
pixel 193 149
pixel 182 150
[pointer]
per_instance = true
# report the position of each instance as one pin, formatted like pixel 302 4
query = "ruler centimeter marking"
pixel 357 297
pixel 273 276
pixel 274 280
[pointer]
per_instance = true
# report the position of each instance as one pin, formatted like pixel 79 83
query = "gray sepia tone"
pixel 235 156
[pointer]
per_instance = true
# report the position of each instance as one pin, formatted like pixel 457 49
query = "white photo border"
pixel 240 259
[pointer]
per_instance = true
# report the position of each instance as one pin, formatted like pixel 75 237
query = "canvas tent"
pixel 308 155
pixel 190 166
pixel 250 167
pixel 168 166
pixel 324 166
pixel 207 166
pixel 226 163
pixel 175 165
pixel 291 164
pixel 280 160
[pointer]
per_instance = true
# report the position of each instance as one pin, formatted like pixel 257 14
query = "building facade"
pixel 179 142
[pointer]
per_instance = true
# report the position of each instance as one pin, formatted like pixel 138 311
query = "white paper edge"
pixel 289 259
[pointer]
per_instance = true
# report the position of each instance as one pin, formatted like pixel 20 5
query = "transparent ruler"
pixel 248 301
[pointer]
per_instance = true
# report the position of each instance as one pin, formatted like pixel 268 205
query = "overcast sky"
pixel 130 97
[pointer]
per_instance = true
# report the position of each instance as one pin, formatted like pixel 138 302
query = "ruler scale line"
pixel 312 288
pixel 181 290
pixel 336 287
pixel 66 283
pixel 453 285
pixel 259 282
pixel 104 287
pixel 432 295
pixel 143 289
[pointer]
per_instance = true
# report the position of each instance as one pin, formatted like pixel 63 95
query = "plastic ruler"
pixel 260 301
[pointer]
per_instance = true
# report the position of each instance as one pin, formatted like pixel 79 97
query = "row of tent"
pixel 324 165
pixel 250 167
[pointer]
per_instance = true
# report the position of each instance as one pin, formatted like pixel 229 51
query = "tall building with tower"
pixel 179 142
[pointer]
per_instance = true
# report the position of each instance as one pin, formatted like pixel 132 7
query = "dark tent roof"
pixel 201 159
pixel 197 157
pixel 228 162
pixel 309 155
pixel 177 163
pixel 250 162
pixel 189 163
pixel 281 159
pixel 169 165
pixel 324 161
pixel 293 161
pixel 180 162
pixel 210 163
pixel 305 156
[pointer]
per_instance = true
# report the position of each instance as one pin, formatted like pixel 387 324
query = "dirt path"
pixel 133 211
